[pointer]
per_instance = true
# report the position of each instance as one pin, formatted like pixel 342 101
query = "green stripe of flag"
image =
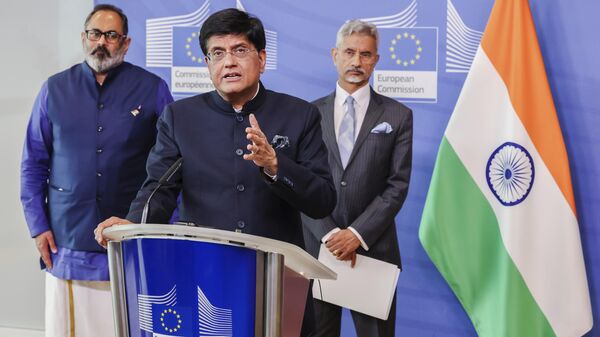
pixel 460 232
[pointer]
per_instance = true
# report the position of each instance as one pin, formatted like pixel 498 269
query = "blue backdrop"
pixel 300 35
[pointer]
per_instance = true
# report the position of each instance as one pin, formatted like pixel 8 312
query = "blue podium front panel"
pixel 189 288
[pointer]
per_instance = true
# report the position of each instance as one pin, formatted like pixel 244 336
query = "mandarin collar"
pixel 250 107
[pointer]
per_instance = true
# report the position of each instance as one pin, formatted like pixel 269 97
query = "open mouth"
pixel 232 76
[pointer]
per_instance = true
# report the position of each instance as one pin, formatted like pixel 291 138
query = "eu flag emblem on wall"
pixel 172 321
pixel 411 49
pixel 407 67
pixel 186 47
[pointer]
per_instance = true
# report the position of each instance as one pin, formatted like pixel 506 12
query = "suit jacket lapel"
pixel 328 127
pixel 374 111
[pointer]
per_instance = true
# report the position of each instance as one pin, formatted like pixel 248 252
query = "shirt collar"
pixel 361 96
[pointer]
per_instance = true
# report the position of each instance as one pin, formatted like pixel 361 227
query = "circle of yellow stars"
pixel 188 46
pixel 418 48
pixel 173 313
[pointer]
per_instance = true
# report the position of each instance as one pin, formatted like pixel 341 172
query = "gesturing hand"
pixel 261 152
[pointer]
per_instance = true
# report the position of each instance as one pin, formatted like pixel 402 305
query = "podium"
pixel 175 280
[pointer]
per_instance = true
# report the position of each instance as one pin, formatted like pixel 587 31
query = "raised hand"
pixel 261 152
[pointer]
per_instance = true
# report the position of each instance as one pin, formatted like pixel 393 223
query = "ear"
pixel 262 58
pixel 209 66
pixel 83 37
pixel 334 53
pixel 126 43
pixel 376 60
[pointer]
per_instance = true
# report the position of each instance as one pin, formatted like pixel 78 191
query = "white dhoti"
pixel 78 308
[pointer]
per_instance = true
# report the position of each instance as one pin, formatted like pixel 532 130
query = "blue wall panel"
pixel 303 33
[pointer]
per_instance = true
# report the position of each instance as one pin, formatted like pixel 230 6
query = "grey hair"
pixel 358 27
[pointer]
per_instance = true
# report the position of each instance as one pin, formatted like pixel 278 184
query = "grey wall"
pixel 39 38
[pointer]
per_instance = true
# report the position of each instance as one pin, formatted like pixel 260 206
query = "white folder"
pixel 368 288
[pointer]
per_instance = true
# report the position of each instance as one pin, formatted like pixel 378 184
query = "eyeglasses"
pixel 219 55
pixel 365 57
pixel 111 36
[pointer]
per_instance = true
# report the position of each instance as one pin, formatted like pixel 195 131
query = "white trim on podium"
pixel 296 258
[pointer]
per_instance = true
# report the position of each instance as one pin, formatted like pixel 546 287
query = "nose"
pixel 355 60
pixel 101 40
pixel 229 60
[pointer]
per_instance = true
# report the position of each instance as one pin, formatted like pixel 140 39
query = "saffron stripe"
pixel 510 41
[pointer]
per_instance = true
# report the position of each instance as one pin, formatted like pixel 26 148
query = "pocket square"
pixel 280 142
pixel 384 127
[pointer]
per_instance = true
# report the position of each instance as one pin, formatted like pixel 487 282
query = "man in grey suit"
pixel 369 138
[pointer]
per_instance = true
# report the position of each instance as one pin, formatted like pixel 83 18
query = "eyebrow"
pixel 108 31
pixel 241 44
pixel 359 51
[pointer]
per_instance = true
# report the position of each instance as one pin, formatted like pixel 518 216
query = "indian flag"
pixel 500 220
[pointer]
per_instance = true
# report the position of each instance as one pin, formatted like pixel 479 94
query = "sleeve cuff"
pixel 362 242
pixel 272 177
pixel 35 231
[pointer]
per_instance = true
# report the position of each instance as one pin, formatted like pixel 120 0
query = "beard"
pixel 101 60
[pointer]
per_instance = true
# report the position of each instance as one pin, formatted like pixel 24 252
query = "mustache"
pixel 101 49
pixel 354 69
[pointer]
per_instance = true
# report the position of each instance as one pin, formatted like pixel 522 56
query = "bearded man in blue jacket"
pixel 88 137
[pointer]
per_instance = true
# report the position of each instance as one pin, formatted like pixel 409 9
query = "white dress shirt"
pixel 361 97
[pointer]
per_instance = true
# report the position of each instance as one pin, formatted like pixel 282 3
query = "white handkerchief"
pixel 384 127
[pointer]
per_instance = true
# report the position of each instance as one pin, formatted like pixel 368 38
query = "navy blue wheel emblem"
pixel 509 173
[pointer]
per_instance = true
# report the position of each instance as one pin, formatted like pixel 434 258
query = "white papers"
pixel 368 288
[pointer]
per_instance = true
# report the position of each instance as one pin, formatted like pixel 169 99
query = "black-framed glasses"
pixel 111 36
pixel 219 55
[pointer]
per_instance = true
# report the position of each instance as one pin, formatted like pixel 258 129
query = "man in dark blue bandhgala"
pixel 253 159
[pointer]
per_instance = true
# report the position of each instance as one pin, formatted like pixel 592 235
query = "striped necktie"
pixel 346 134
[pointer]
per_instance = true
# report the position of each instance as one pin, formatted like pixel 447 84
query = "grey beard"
pixel 354 79
pixel 105 64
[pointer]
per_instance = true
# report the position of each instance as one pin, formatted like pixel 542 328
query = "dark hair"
pixel 232 21
pixel 112 8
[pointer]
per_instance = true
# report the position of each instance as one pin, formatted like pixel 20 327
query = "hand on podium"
pixel 113 220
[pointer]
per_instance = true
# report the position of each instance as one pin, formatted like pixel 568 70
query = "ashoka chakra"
pixel 510 173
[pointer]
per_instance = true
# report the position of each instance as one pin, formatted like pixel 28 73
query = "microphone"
pixel 165 178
